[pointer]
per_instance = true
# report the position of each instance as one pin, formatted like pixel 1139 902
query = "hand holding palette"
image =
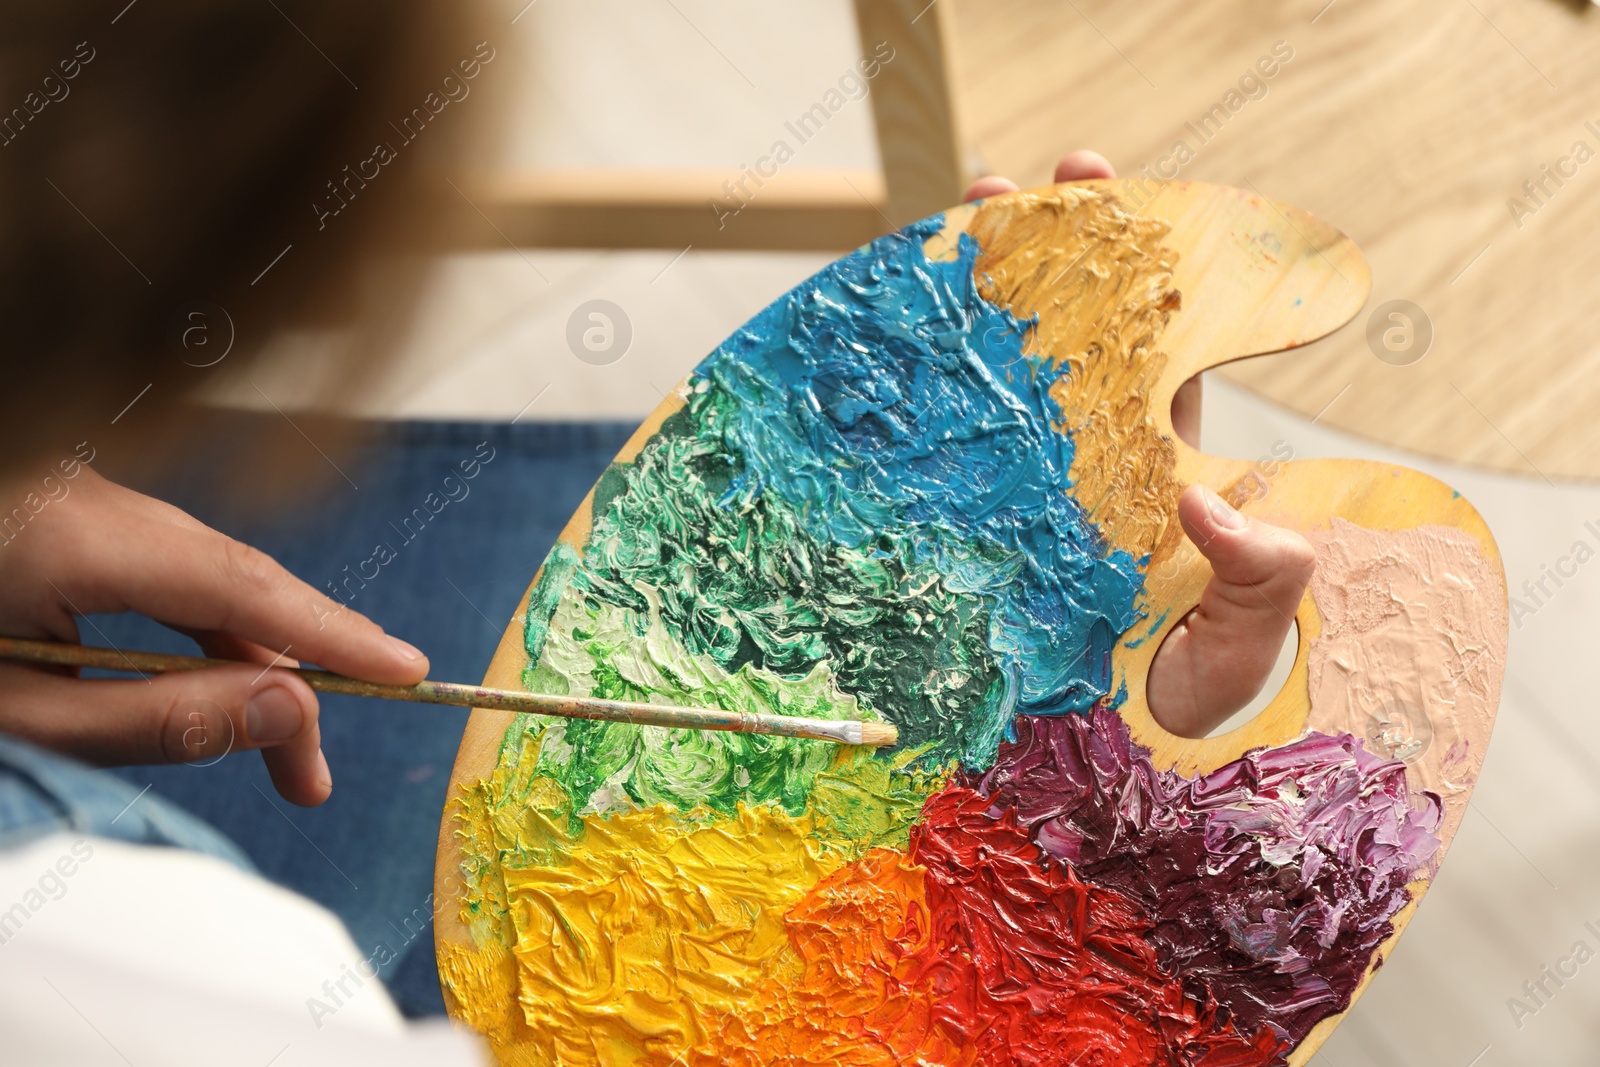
pixel 935 485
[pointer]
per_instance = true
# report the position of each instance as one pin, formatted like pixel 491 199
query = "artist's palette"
pixel 935 484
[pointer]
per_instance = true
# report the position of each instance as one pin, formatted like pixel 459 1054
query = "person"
pixel 191 141
pixel 181 184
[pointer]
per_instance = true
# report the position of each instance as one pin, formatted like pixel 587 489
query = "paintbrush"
pixel 845 732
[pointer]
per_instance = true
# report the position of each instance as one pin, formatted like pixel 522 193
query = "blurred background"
pixel 638 181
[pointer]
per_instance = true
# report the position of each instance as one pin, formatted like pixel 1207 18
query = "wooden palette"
pixel 936 484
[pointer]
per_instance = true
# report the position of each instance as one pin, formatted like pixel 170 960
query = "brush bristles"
pixel 878 734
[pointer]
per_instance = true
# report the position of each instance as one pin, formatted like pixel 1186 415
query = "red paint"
pixel 1034 967
pixel 974 950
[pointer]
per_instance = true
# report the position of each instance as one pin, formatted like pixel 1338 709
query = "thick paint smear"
pixel 638 928
pixel 1098 328
pixel 597 650
pixel 970 950
pixel 624 937
pixel 888 401
pixel 740 577
pixel 1269 883
pixel 918 489
pixel 873 453
pixel 1408 606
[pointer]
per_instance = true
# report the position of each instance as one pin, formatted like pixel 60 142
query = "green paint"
pixel 742 580
pixel 597 650
pixel 867 802
pixel 559 567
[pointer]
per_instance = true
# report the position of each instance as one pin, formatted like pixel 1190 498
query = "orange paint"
pixel 973 949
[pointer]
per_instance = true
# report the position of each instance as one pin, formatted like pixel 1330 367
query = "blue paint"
pixel 1155 624
pixel 893 408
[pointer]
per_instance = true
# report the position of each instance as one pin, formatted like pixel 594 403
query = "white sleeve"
pixel 123 954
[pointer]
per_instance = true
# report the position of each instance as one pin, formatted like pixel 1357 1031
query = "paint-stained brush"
pixel 845 732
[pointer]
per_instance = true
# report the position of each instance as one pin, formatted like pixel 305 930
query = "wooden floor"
pixel 1409 124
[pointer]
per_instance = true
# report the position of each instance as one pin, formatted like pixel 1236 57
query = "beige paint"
pixel 1411 652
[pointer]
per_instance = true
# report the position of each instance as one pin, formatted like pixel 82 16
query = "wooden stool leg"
pixel 914 105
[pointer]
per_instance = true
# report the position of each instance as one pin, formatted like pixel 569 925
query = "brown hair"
pixel 177 174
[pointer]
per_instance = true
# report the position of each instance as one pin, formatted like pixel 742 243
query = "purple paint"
pixel 1269 882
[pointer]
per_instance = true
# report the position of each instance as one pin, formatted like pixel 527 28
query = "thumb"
pixel 1256 568
pixel 182 717
pixel 1219 655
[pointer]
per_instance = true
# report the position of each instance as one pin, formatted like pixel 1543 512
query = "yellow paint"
pixel 630 936
pixel 646 926
pixel 851 1001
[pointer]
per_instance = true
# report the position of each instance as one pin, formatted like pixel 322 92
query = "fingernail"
pixel 324 775
pixel 407 651
pixel 1222 513
pixel 273 715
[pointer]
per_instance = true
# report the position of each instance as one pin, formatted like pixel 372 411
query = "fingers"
pixel 286 763
pixel 988 186
pixel 299 770
pixel 119 551
pixel 1216 659
pixel 1083 164
pixel 206 581
pixel 1074 166
pixel 185 717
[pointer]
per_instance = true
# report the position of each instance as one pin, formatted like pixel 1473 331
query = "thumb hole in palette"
pixel 1277 678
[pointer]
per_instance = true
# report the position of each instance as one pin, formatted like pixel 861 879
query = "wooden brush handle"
pixel 455 694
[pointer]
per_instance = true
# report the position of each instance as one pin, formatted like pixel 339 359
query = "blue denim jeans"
pixel 456 554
